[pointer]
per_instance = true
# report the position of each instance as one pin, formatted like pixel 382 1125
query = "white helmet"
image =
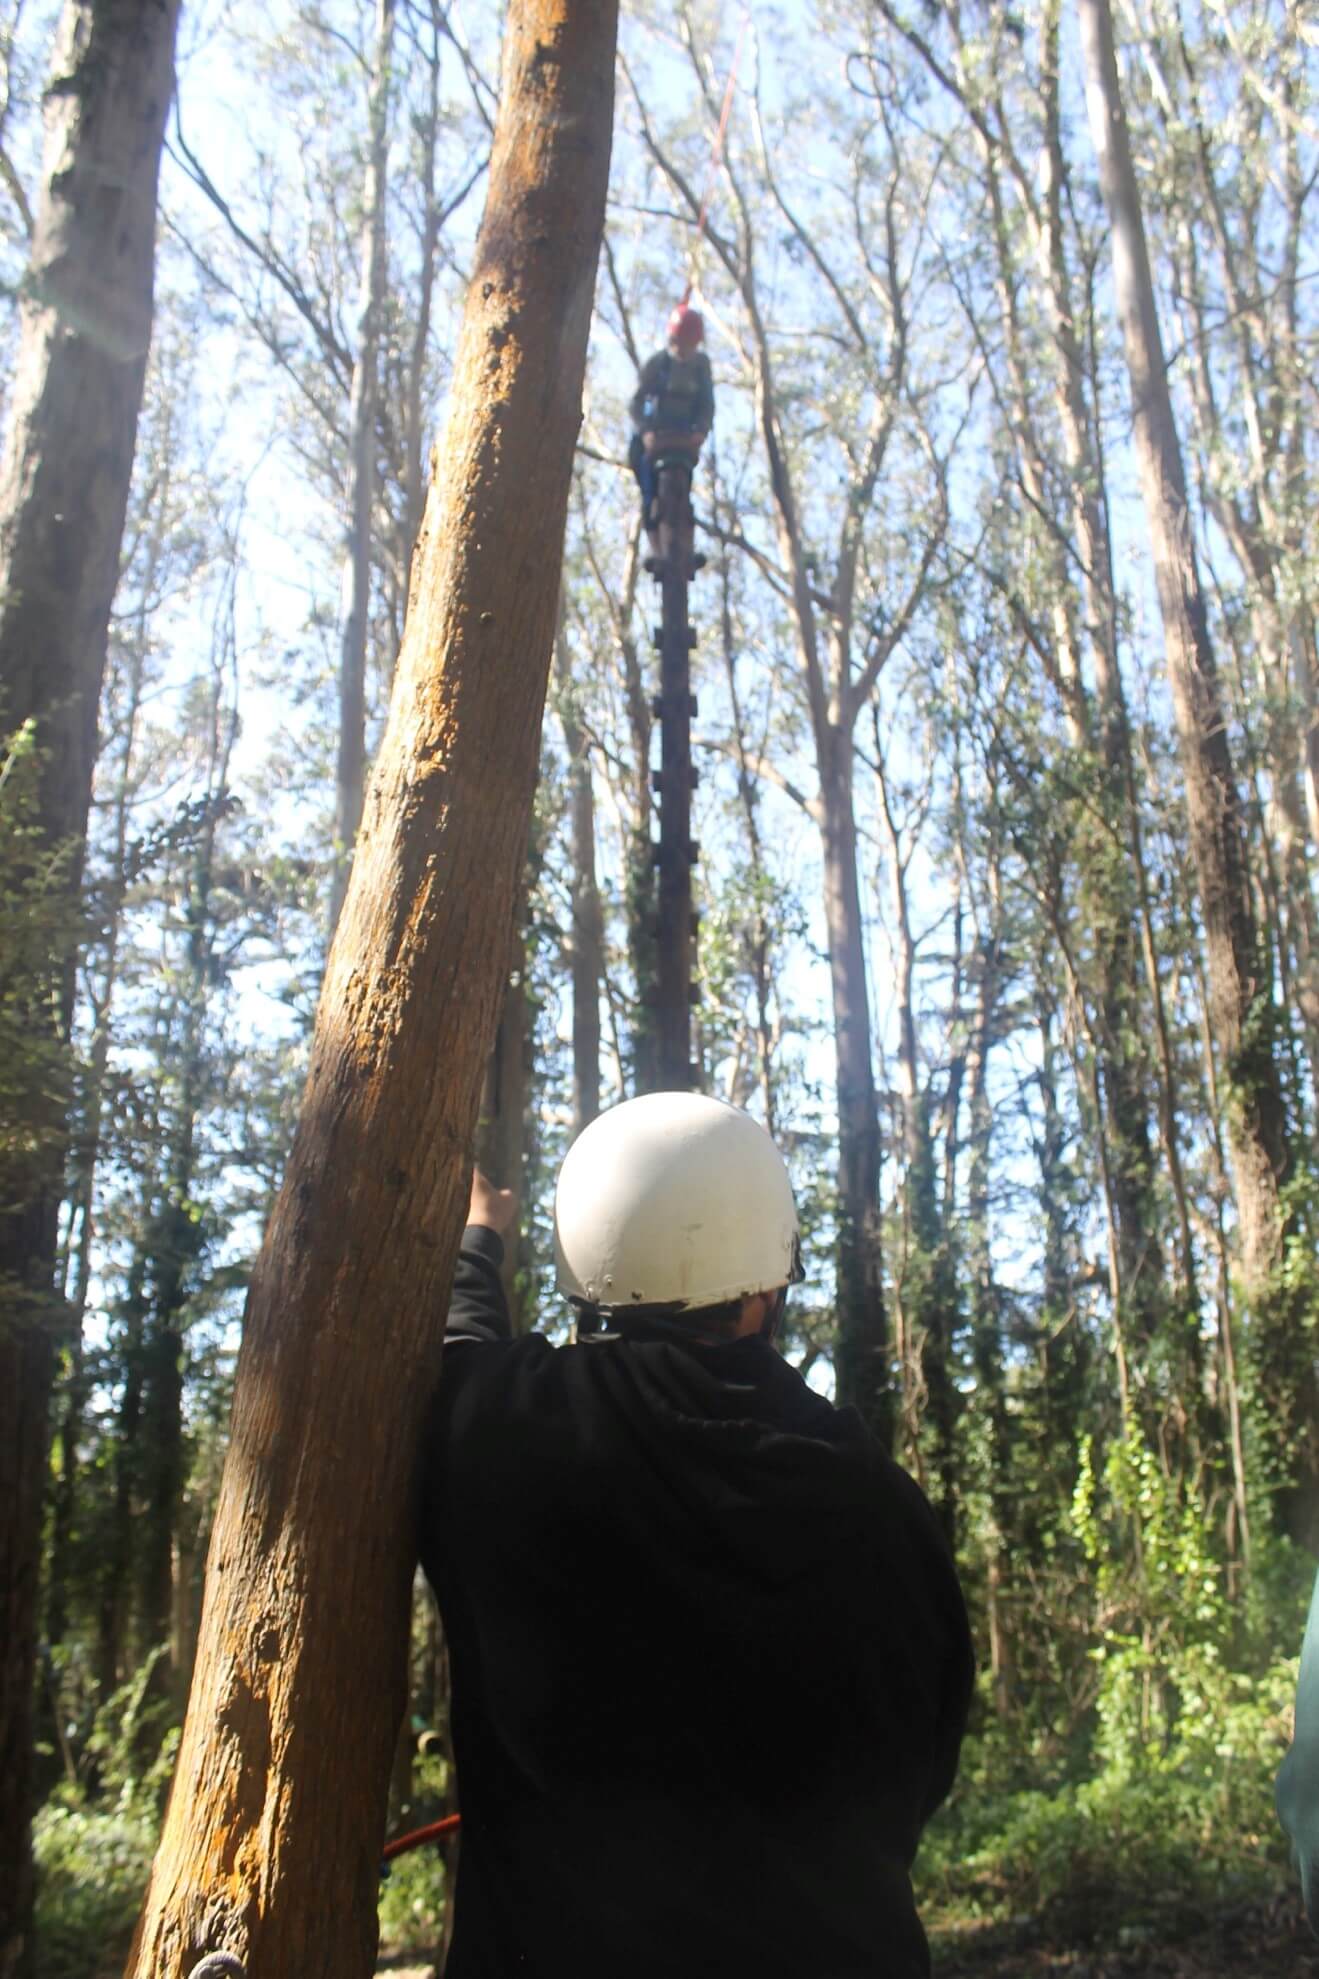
pixel 673 1200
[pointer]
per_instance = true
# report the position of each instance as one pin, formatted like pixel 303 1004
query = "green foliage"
pixel 412 1902
pixel 412 1893
pixel 1189 1822
pixel 38 927
pixel 92 1867
pixel 93 1856
pixel 134 1738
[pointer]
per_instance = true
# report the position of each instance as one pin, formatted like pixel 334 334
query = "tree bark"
pixel 77 389
pixel 351 772
pixel 1241 1012
pixel 862 1354
pixel 272 1836
pixel 587 954
pixel 926 1281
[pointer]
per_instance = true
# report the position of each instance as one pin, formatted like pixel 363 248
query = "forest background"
pixel 961 943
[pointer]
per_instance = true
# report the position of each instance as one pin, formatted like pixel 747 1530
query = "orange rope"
pixel 716 152
pixel 419 1836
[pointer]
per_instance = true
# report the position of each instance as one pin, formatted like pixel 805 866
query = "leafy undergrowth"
pixel 1166 1860
pixel 92 1867
pixel 412 1905
pixel 1166 1863
pixel 1265 1940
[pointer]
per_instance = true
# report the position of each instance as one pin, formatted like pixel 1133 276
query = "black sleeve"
pixel 478 1309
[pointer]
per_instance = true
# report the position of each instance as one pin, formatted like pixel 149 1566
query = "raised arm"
pixel 478 1309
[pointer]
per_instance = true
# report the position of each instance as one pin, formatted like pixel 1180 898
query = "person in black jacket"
pixel 672 407
pixel 710 1659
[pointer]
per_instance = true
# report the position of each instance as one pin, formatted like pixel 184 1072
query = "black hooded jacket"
pixel 710 1660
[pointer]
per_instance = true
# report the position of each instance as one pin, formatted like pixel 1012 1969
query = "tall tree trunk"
pixel 272 1836
pixel 351 773
pixel 862 1352
pixel 1241 1010
pixel 84 1162
pixel 114 1567
pixel 176 1235
pixel 928 1285
pixel 85 329
pixel 759 939
pixel 587 936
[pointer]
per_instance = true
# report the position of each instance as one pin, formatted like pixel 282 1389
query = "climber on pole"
pixel 710 1661
pixel 672 408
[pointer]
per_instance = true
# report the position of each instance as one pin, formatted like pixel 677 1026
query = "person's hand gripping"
pixel 491 1208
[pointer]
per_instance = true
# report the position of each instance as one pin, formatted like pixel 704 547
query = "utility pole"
pixel 673 566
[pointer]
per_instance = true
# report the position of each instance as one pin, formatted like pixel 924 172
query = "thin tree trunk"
pixel 86 1159
pixel 587 935
pixel 1240 1002
pixel 759 938
pixel 115 1565
pixel 176 1235
pixel 77 389
pixel 272 1836
pixel 929 1286
pixel 862 1354
pixel 351 772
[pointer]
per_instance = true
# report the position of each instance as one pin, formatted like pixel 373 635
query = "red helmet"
pixel 686 327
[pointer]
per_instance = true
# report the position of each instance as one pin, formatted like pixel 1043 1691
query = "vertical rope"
pixel 716 154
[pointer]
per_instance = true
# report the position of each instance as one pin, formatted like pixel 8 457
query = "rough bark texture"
pixel 77 388
pixel 272 1836
pixel 351 769
pixel 1240 1005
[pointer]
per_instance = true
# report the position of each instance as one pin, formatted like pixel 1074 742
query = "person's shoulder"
pixel 473 1365
pixel 518 1349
